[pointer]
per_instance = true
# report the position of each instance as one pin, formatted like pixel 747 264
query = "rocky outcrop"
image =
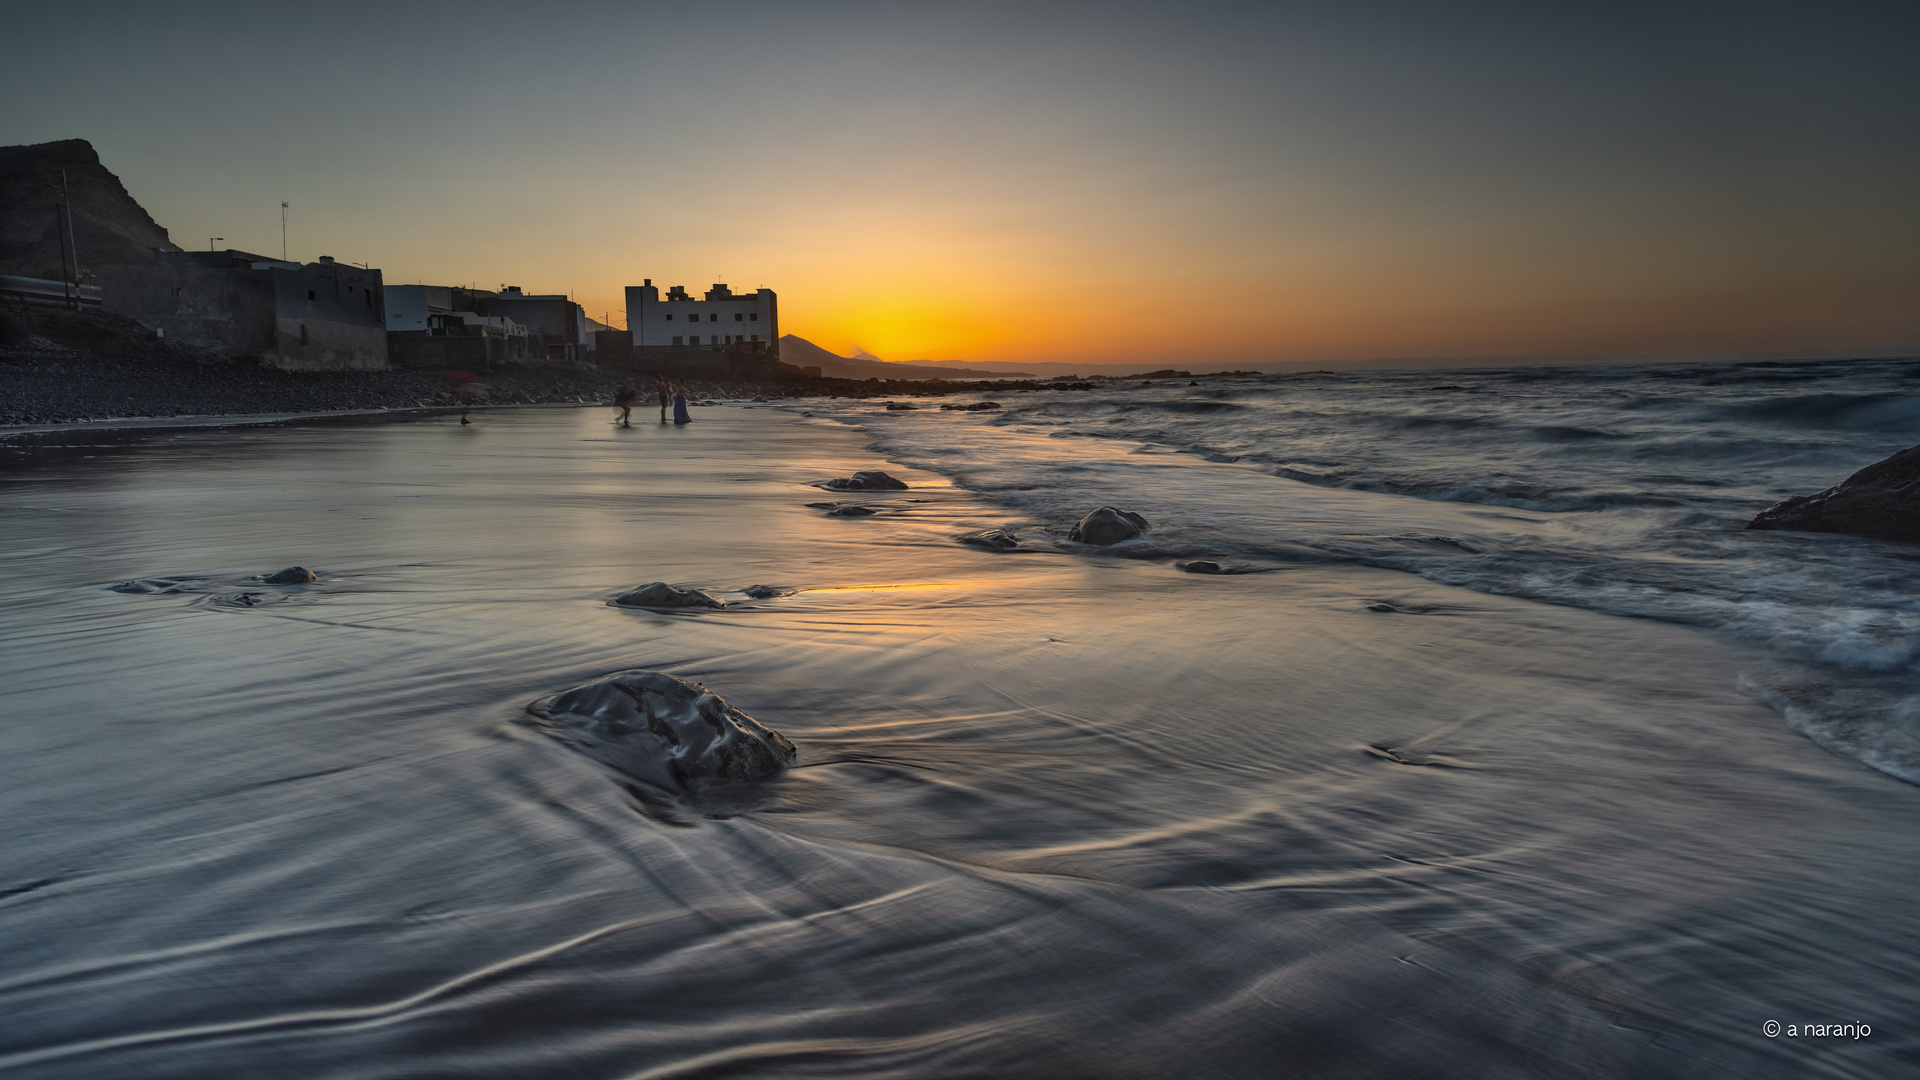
pixel 871 480
pixel 993 539
pixel 292 575
pixel 1881 501
pixel 1108 525
pixel 664 731
pixel 659 594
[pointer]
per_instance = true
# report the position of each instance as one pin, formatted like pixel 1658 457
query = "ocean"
pixel 1488 756
pixel 1620 489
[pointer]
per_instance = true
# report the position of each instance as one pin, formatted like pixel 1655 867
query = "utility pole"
pixel 211 240
pixel 283 232
pixel 71 246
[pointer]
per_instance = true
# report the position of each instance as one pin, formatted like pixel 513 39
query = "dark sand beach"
pixel 1054 814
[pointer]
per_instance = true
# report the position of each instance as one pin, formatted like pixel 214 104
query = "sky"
pixel 1053 182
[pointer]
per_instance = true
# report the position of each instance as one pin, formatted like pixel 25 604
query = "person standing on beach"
pixel 661 382
pixel 625 400
pixel 680 405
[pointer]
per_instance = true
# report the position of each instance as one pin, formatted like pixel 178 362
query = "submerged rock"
pixel 292 575
pixel 1108 525
pixel 150 586
pixel 1202 566
pixel 1881 501
pixel 664 731
pixel 870 480
pixel 844 509
pixel 766 592
pixel 996 539
pixel 900 406
pixel 978 406
pixel 659 594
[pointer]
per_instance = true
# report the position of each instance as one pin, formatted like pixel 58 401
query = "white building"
pixel 720 320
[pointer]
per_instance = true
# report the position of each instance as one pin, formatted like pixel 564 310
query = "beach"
pixel 1055 812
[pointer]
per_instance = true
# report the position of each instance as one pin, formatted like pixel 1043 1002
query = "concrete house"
pixel 720 320
pixel 320 316
pixel 437 326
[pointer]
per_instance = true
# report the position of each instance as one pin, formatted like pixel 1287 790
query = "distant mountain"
pixel 803 353
pixel 108 226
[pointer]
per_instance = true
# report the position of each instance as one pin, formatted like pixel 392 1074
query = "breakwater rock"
pixel 870 480
pixel 664 731
pixel 1108 525
pixel 659 594
pixel 1881 501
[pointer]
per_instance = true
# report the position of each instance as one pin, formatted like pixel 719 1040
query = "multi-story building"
pixel 720 320
pixel 321 316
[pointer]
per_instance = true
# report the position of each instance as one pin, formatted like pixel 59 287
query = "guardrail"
pixel 29 290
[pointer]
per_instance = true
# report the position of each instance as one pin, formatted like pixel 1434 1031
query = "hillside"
pixel 803 353
pixel 109 227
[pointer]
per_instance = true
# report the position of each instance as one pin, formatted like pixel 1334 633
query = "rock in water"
pixel 1201 566
pixel 873 480
pixel 1108 526
pixel 292 575
pixel 1881 501
pixel 766 592
pixel 664 731
pixel 996 539
pixel 659 594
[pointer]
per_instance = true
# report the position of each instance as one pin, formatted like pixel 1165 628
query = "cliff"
pixel 109 227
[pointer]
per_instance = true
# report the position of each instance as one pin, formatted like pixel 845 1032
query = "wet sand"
pixel 1054 815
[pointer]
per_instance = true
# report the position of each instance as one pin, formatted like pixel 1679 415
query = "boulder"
pixel 292 575
pixel 995 539
pixel 1108 526
pixel 659 594
pixel 1201 566
pixel 872 480
pixel 1881 501
pixel 664 731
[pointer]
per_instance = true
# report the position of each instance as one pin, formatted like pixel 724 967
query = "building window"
pixel 669 316
pixel 756 317
pixel 677 341
pixel 755 337
pixel 737 317
pixel 349 288
pixel 713 318
pixel 368 297
pixel 310 295
pixel 303 333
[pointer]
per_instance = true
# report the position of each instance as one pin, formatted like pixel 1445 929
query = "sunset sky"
pixel 1037 182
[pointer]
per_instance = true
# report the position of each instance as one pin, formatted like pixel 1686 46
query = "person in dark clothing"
pixel 661 382
pixel 625 400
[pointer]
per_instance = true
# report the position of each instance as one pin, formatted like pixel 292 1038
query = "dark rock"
pixel 844 509
pixel 292 575
pixel 900 406
pixel 978 406
pixel 1881 501
pixel 1201 566
pixel 995 539
pixel 664 731
pixel 659 594
pixel 871 480
pixel 766 592
pixel 1107 525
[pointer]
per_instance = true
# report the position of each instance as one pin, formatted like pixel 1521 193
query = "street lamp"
pixel 211 240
